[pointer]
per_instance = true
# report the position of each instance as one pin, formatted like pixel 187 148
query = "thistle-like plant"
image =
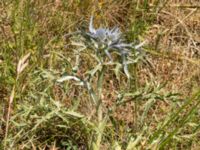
pixel 104 43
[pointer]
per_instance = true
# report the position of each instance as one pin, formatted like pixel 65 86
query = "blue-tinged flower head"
pixel 111 40
pixel 104 36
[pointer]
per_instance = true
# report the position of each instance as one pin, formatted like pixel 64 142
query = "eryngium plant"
pixel 104 43
pixel 101 44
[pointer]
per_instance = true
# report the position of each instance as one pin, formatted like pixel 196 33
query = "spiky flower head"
pixel 103 35
pixel 111 40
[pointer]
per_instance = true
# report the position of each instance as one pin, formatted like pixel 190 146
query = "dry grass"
pixel 176 33
pixel 160 107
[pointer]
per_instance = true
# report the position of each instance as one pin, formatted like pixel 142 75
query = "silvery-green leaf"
pixel 116 70
pixel 126 71
pixel 108 54
pixel 91 28
pixel 93 71
pixel 140 45
pixel 65 78
pixel 125 66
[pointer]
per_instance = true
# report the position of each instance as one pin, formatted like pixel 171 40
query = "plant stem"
pixel 101 121
pixel 11 98
pixel 134 89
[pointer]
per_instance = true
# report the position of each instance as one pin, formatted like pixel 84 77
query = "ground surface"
pixel 158 108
